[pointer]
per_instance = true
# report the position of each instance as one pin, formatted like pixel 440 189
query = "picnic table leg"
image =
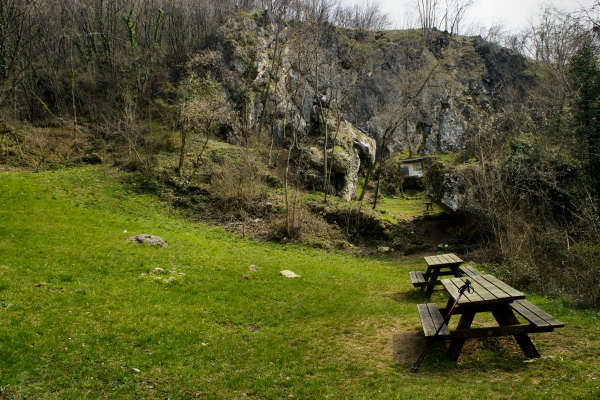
pixel 456 345
pixel 427 273
pixel 433 277
pixel 456 271
pixel 505 316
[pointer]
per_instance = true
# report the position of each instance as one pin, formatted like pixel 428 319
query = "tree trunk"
pixel 377 191
pixel 181 153
pixel 366 185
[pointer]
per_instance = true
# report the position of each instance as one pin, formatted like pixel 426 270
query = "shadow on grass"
pixel 409 296
pixel 486 354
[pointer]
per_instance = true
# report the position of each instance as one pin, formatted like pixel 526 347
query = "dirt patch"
pixel 407 346
pixel 499 345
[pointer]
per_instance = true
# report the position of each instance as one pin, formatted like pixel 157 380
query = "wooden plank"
pixel 543 314
pixel 508 330
pixel 469 270
pixel 439 260
pixel 456 292
pixel 417 278
pixel 486 292
pixel 473 297
pixel 431 320
pixel 448 259
pixel 442 259
pixel 456 258
pixel 466 297
pixel 435 260
pixel 426 322
pixel 514 293
pixel 429 260
pixel 438 319
pixel 482 290
pixel 493 289
pixel 540 315
pixel 527 314
pixel 450 287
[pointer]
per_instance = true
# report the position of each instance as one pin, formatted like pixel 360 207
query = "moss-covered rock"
pixel 352 149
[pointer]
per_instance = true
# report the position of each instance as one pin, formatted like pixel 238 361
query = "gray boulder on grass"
pixel 148 239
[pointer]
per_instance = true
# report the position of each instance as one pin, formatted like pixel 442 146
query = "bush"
pixel 584 271
pixel 307 228
pixel 239 185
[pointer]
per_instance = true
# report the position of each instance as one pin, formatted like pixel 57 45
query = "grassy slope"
pixel 78 319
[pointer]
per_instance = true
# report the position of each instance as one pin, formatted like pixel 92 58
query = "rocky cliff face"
pixel 452 191
pixel 283 79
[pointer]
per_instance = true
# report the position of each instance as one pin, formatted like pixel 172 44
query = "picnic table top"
pixel 486 289
pixel 443 260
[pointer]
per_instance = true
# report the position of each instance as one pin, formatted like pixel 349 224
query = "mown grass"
pixel 81 317
pixel 406 207
pixel 394 208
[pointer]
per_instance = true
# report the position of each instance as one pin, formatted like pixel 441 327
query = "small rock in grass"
pixel 149 239
pixel 383 249
pixel 158 270
pixel 289 274
pixel 135 370
pixel 253 268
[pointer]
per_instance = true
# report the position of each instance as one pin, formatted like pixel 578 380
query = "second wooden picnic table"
pixel 440 265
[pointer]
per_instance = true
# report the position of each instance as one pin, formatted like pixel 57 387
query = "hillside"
pixel 84 314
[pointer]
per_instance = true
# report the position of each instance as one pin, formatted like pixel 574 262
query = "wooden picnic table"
pixel 440 265
pixel 489 295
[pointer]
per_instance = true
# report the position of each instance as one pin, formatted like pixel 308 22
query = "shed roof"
pixel 408 160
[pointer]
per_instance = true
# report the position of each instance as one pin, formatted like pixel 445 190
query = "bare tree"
pixel 453 14
pixel 201 106
pixel 16 29
pixel 364 16
pixel 429 12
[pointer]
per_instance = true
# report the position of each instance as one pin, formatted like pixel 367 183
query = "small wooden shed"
pixel 411 168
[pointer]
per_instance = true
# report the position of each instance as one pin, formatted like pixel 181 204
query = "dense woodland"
pixel 137 78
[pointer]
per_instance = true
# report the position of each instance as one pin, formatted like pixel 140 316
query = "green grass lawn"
pixel 83 316
pixel 403 208
pixel 400 208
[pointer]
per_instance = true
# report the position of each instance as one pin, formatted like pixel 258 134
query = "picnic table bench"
pixel 489 295
pixel 441 265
